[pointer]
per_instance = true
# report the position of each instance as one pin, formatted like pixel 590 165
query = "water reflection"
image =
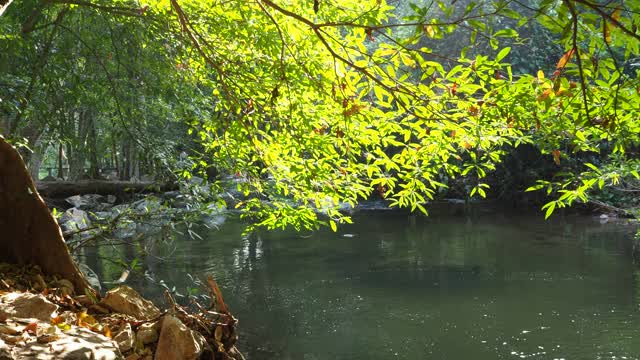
pixel 487 287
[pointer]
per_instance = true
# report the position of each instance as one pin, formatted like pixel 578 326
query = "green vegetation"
pixel 314 104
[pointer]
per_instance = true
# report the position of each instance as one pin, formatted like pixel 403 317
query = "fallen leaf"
pixel 47 338
pixel 57 320
pixel 12 339
pixel 8 330
pixel 32 328
pixel 218 333
pixel 106 331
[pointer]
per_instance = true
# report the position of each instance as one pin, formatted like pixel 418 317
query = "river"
pixel 393 286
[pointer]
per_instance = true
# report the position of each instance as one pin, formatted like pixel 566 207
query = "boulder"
pixel 125 338
pixel 125 300
pixel 177 341
pixel 86 202
pixel 74 219
pixel 91 276
pixel 148 333
pixel 76 344
pixel 146 205
pixel 27 306
pixel 5 352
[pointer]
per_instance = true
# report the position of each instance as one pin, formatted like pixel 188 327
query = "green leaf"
pixel 550 208
pixel 503 53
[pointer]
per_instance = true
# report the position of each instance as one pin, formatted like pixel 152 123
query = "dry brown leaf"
pixel 564 60
pixel 32 328
pixel 47 338
pixel 8 330
pixel 106 331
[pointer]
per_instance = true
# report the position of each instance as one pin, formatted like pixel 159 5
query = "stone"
pixel 85 202
pixel 5 352
pixel 74 219
pixel 125 300
pixel 177 341
pixel 125 338
pixel 27 306
pixel 65 286
pixel 84 300
pixel 146 205
pixel 148 333
pixel 91 276
pixel 76 344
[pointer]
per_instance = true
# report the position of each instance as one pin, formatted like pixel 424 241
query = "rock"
pixel 76 344
pixel 146 205
pixel 27 306
pixel 90 275
pixel 86 202
pixel 74 219
pixel 111 199
pixel 84 300
pixel 125 300
pixel 177 341
pixel 125 338
pixel 125 230
pixel 65 286
pixel 5 352
pixel 148 333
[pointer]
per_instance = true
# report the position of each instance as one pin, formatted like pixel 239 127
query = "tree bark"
pixel 30 234
pixel 4 4
pixel 59 189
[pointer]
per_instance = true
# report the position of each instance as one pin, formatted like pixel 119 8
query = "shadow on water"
pixel 395 286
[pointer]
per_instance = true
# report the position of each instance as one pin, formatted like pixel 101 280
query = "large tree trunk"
pixel 4 4
pixel 58 189
pixel 29 233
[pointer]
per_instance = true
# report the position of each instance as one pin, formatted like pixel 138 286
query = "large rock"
pixel 76 344
pixel 125 300
pixel 177 341
pixel 125 338
pixel 27 306
pixel 148 333
pixel 146 205
pixel 5 352
pixel 74 219
pixel 86 202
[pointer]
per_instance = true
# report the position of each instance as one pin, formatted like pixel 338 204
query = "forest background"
pixel 311 105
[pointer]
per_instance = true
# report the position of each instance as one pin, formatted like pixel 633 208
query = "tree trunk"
pixel 30 234
pixel 58 189
pixel 4 4
pixel 36 158
pixel 60 164
pixel 92 143
pixel 77 155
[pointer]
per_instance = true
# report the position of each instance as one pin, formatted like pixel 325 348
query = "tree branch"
pixel 574 39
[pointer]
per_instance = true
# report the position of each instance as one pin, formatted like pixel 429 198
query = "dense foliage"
pixel 316 104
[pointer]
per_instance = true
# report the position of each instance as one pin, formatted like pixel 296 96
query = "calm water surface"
pixel 398 287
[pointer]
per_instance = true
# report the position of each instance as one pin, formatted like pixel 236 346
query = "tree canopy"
pixel 314 104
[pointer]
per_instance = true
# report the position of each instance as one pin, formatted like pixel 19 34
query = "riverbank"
pixel 42 316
